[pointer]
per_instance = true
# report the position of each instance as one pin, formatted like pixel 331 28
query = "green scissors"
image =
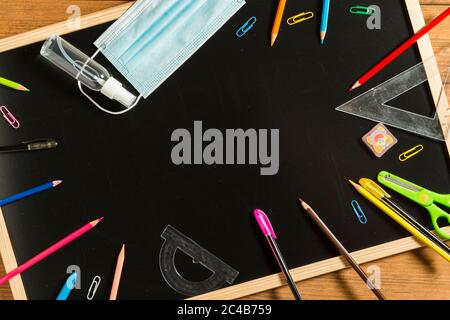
pixel 420 195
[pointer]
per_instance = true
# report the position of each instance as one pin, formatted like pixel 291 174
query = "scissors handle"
pixel 437 213
pixel 443 199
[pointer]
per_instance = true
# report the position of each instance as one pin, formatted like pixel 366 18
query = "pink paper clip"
pixel 9 117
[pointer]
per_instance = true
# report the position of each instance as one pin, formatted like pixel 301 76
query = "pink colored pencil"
pixel 47 252
pixel 117 274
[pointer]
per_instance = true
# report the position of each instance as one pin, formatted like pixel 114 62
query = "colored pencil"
pixel 324 21
pixel 68 286
pixel 117 274
pixel 397 52
pixel 49 251
pixel 382 195
pixel 12 84
pixel 340 247
pixel 30 192
pixel 277 22
pixel 400 220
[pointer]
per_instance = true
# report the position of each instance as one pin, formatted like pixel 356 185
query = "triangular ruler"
pixel 372 105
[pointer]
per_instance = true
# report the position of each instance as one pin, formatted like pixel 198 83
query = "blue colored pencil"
pixel 29 192
pixel 324 21
pixel 68 286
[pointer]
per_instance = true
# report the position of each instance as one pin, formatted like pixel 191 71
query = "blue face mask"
pixel 155 37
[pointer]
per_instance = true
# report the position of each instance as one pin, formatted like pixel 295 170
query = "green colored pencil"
pixel 12 84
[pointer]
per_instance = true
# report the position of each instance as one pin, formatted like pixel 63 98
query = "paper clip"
pixel 359 212
pixel 410 153
pixel 302 16
pixel 246 27
pixel 93 288
pixel 9 117
pixel 362 10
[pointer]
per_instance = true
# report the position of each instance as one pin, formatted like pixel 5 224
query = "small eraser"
pixel 379 140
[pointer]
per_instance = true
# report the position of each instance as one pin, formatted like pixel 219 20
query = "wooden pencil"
pixel 12 84
pixel 117 274
pixel 397 52
pixel 49 251
pixel 277 22
pixel 340 247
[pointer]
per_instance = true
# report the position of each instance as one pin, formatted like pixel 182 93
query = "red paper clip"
pixel 9 117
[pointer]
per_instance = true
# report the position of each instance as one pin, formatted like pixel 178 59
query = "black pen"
pixel 33 145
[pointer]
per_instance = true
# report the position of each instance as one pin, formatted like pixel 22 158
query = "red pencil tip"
pixel 357 84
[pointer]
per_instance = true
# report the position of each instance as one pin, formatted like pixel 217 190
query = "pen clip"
pixel 38 140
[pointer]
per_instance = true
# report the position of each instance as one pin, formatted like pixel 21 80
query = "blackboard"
pixel 120 167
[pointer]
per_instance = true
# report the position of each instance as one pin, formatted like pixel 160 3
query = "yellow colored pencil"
pixel 277 22
pixel 12 84
pixel 117 274
pixel 405 224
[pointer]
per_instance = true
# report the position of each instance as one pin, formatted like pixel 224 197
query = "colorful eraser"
pixel 379 140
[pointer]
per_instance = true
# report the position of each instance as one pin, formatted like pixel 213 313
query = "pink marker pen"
pixel 267 230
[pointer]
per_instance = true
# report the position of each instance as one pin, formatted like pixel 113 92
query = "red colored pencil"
pixel 44 254
pixel 397 52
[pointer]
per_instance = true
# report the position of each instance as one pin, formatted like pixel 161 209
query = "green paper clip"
pixel 362 10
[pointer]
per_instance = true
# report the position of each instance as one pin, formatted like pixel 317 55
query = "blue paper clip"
pixel 245 27
pixel 359 212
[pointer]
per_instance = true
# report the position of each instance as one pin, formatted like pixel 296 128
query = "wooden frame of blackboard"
pixel 271 281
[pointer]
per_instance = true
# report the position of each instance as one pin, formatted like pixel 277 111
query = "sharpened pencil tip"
pixel 23 88
pixel 57 182
pixel 353 184
pixel 354 86
pixel 303 203
pixel 272 40
pixel 95 222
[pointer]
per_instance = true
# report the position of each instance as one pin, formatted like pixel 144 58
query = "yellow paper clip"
pixel 302 16
pixel 410 153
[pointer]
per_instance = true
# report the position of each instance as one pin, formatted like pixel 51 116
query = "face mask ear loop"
pixel 92 100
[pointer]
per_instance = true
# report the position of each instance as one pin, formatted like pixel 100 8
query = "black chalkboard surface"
pixel 120 167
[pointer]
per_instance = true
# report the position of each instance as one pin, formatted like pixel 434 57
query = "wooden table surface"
pixel 419 274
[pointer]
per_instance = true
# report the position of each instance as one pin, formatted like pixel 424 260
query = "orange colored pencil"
pixel 277 22
pixel 117 274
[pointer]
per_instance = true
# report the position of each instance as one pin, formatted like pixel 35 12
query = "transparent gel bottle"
pixel 93 75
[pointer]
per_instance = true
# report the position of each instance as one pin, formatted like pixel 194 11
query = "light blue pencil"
pixel 324 21
pixel 68 286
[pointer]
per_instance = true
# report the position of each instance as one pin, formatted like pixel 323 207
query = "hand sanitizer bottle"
pixel 89 72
